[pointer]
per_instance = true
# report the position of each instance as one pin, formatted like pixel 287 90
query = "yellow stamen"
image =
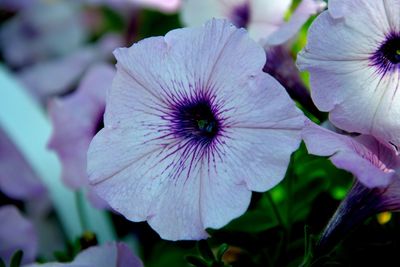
pixel 384 217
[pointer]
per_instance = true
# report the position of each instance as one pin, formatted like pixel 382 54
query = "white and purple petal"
pixel 373 163
pixel 352 56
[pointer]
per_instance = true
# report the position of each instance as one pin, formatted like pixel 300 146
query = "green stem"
pixel 81 210
pixel 276 211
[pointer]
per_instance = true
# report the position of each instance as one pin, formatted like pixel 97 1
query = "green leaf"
pixel 196 261
pixel 221 251
pixel 205 250
pixel 16 259
pixel 165 254
pixel 253 221
pixel 2 264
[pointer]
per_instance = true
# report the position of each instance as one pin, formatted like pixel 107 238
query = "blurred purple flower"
pixel 288 30
pixel 192 126
pixel 108 255
pixel 265 20
pixel 57 76
pixel 373 164
pixel 16 233
pixel 353 56
pixel 76 118
pixel 16 5
pixel 17 178
pixel 42 31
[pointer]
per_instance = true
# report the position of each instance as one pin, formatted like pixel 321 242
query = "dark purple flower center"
pixel 391 50
pixel 241 15
pixel 387 57
pixel 197 120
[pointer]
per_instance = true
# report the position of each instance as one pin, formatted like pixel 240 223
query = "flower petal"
pixel 204 65
pixel 65 71
pixel 300 16
pixel 15 171
pixel 75 119
pixel 16 233
pixel 266 17
pixel 196 13
pixel 108 255
pixel 364 156
pixel 344 82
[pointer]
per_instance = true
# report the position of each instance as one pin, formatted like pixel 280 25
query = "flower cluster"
pixel 197 131
pixel 353 56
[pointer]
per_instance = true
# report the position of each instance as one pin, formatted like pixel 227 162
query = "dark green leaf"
pixel 205 250
pixel 253 221
pixel 2 264
pixel 196 261
pixel 221 251
pixel 16 259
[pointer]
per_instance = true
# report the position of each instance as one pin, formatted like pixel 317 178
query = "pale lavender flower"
pixel 76 118
pixel 265 20
pixel 192 126
pixel 376 168
pixel 17 178
pixel 41 31
pixel 16 233
pixel 353 56
pixel 108 255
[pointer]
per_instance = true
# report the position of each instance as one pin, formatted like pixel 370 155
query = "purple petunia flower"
pixel 108 255
pixel 192 126
pixel 76 118
pixel 373 164
pixel 353 56
pixel 16 233
pixel 265 20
